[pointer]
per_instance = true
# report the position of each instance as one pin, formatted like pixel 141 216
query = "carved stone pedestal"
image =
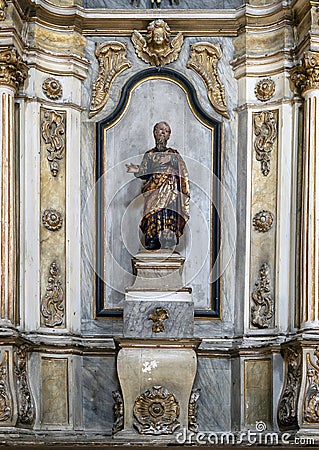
pixel 157 360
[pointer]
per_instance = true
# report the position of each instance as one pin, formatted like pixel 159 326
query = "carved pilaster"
pixel 13 72
pixel 306 80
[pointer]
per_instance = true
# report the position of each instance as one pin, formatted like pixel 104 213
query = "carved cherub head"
pixel 158 34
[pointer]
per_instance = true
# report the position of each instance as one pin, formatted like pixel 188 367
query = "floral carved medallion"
pixel 52 88
pixel 263 221
pixel 265 89
pixel 156 411
pixel 52 220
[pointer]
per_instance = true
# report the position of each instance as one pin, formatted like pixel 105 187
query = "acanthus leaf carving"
pixel 311 395
pixel 203 60
pixel 6 401
pixel 193 410
pixel 158 315
pixel 118 409
pixel 112 61
pixel 306 75
pixel 156 411
pixel 53 133
pixel 26 413
pixel 287 408
pixel 265 130
pixel 13 71
pixel 157 49
pixel 262 309
pixel 52 305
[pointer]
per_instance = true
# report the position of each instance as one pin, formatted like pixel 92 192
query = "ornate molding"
pixel 26 412
pixel 3 5
pixel 53 133
pixel 193 410
pixel 52 88
pixel 112 61
pixel 265 89
pixel 52 304
pixel 265 130
pixel 157 49
pixel 287 408
pixel 263 221
pixel 118 409
pixel 158 315
pixel 311 395
pixel 203 60
pixel 156 411
pixel 262 309
pixel 306 75
pixel 13 71
pixel 6 401
pixel 52 219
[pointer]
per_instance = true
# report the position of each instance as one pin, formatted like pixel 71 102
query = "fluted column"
pixel 13 72
pixel 306 79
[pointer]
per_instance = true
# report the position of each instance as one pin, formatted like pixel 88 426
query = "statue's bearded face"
pixel 162 133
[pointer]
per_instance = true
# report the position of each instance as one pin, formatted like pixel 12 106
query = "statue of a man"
pixel 165 191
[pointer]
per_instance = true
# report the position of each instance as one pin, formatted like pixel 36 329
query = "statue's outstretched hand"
pixel 132 168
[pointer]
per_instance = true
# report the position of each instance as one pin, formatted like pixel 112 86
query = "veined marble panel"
pixel 183 4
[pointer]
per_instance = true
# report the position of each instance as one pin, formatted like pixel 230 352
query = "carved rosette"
pixel 52 88
pixel 193 410
pixel 118 409
pixel 311 395
pixel 112 61
pixel 158 315
pixel 265 130
pixel 263 221
pixel 157 49
pixel 262 309
pixel 306 75
pixel 52 305
pixel 265 89
pixel 13 71
pixel 53 134
pixel 52 220
pixel 287 408
pixel 156 411
pixel 203 60
pixel 6 401
pixel 26 413
pixel 3 5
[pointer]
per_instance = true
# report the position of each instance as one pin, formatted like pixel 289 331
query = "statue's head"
pixel 158 33
pixel 162 132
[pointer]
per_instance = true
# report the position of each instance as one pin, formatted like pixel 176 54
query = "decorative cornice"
pixel 305 76
pixel 13 71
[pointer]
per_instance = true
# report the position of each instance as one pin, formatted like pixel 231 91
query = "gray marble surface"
pixel 179 324
pixel 183 4
pixel 99 379
pixel 214 404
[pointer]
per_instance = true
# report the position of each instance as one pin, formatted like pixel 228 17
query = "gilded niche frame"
pixel 101 308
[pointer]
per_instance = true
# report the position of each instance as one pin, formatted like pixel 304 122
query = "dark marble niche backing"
pixel 101 310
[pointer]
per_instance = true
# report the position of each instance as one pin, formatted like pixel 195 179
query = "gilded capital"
pixel 13 71
pixel 306 75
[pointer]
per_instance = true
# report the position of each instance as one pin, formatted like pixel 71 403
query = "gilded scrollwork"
pixel 204 58
pixel 53 134
pixel 6 402
pixel 156 411
pixel 193 410
pixel 52 88
pixel 52 305
pixel 157 49
pixel 112 61
pixel 306 75
pixel 3 5
pixel 263 221
pixel 52 219
pixel 265 89
pixel 287 408
pixel 13 71
pixel 118 409
pixel 26 413
pixel 311 396
pixel 158 315
pixel 265 130
pixel 262 309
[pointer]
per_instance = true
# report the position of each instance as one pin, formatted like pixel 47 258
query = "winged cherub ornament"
pixel 157 49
